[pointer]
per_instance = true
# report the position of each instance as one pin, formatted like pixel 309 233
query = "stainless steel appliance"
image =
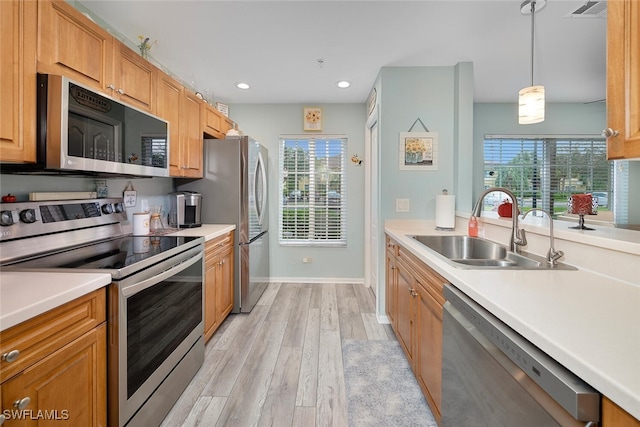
pixel 185 209
pixel 83 132
pixel 234 191
pixel 492 376
pixel 155 300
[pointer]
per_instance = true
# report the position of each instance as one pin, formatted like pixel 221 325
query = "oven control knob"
pixel 119 207
pixel 107 209
pixel 6 218
pixel 28 216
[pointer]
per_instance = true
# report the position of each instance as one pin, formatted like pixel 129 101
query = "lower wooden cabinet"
pixel 614 416
pixel 218 278
pixel 59 372
pixel 414 304
pixel 428 366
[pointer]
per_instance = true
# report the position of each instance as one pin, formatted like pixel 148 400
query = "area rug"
pixel 381 388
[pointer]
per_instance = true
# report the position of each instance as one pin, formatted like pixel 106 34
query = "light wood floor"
pixel 281 364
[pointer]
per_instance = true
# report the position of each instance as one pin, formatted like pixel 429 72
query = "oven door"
pixel 156 319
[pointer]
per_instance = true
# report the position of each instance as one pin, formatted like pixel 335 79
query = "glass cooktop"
pixel 113 254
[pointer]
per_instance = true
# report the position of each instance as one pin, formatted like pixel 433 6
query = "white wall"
pixel 265 123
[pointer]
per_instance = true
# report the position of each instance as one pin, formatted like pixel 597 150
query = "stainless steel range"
pixel 155 300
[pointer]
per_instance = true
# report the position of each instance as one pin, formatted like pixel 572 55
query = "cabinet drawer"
pixel 214 246
pixel 42 335
pixel 430 280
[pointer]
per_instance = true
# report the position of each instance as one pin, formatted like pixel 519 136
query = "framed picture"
pixel 312 118
pixel 223 108
pixel 418 151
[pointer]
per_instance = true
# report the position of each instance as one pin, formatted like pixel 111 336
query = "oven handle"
pixel 171 271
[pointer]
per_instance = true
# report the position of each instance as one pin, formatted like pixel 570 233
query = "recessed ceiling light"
pixel 242 85
pixel 343 84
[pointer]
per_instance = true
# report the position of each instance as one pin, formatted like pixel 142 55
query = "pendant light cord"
pixel 533 13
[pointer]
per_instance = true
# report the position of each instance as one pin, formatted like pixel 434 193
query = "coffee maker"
pixel 185 209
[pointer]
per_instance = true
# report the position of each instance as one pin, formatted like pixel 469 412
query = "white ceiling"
pixel 275 45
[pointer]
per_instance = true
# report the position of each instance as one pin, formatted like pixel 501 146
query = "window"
pixel 313 203
pixel 544 171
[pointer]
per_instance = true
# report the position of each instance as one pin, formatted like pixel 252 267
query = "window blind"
pixel 544 172
pixel 313 196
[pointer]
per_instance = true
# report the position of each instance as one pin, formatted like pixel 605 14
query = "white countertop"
pixel 208 231
pixel 26 295
pixel 589 323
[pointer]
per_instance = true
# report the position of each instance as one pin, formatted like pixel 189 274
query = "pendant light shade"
pixel 531 100
pixel 531 105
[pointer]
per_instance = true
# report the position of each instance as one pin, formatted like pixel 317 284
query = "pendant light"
pixel 531 98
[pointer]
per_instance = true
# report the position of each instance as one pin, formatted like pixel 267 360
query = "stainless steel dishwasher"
pixel 492 376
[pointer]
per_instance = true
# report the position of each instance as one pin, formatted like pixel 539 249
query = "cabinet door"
pixel 68 386
pixel 390 288
pixel 210 290
pixel 429 348
pixel 404 315
pixel 213 121
pixel 72 45
pixel 169 94
pixel 615 416
pixel 134 78
pixel 623 78
pixel 192 136
pixel 224 292
pixel 18 81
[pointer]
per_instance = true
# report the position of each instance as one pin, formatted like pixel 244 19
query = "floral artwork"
pixel 418 150
pixel 312 119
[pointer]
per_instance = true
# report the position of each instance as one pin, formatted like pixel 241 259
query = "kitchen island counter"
pixel 24 295
pixel 586 321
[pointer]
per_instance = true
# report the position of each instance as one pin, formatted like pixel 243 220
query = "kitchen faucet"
pixel 552 255
pixel 518 237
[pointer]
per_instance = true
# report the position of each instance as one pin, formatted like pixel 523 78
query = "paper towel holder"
pixel 445 192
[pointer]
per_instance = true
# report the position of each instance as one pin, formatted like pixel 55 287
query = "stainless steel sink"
pixel 473 252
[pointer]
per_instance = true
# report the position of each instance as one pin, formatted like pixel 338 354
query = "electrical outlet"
pixel 402 205
pixel 307 260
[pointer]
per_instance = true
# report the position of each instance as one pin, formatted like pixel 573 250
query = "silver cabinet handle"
pixel 111 86
pixel 11 356
pixel 608 133
pixel 22 403
pixel 120 91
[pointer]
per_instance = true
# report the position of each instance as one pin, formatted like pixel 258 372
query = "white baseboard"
pixel 382 318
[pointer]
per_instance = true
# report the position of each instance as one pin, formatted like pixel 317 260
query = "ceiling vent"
pixel 591 9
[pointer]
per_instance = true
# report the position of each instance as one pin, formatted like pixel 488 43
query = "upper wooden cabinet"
pixel 191 135
pixel 623 79
pixel 18 81
pixel 72 45
pixel 183 111
pixel 213 121
pixel 169 95
pixel 134 78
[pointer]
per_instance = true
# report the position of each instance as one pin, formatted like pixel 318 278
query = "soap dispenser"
pixel 473 226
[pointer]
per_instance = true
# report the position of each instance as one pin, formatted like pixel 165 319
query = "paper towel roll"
pixel 445 211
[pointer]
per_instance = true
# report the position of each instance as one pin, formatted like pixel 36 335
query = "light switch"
pixel 402 205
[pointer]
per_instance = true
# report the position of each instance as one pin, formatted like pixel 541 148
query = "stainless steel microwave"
pixel 83 132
